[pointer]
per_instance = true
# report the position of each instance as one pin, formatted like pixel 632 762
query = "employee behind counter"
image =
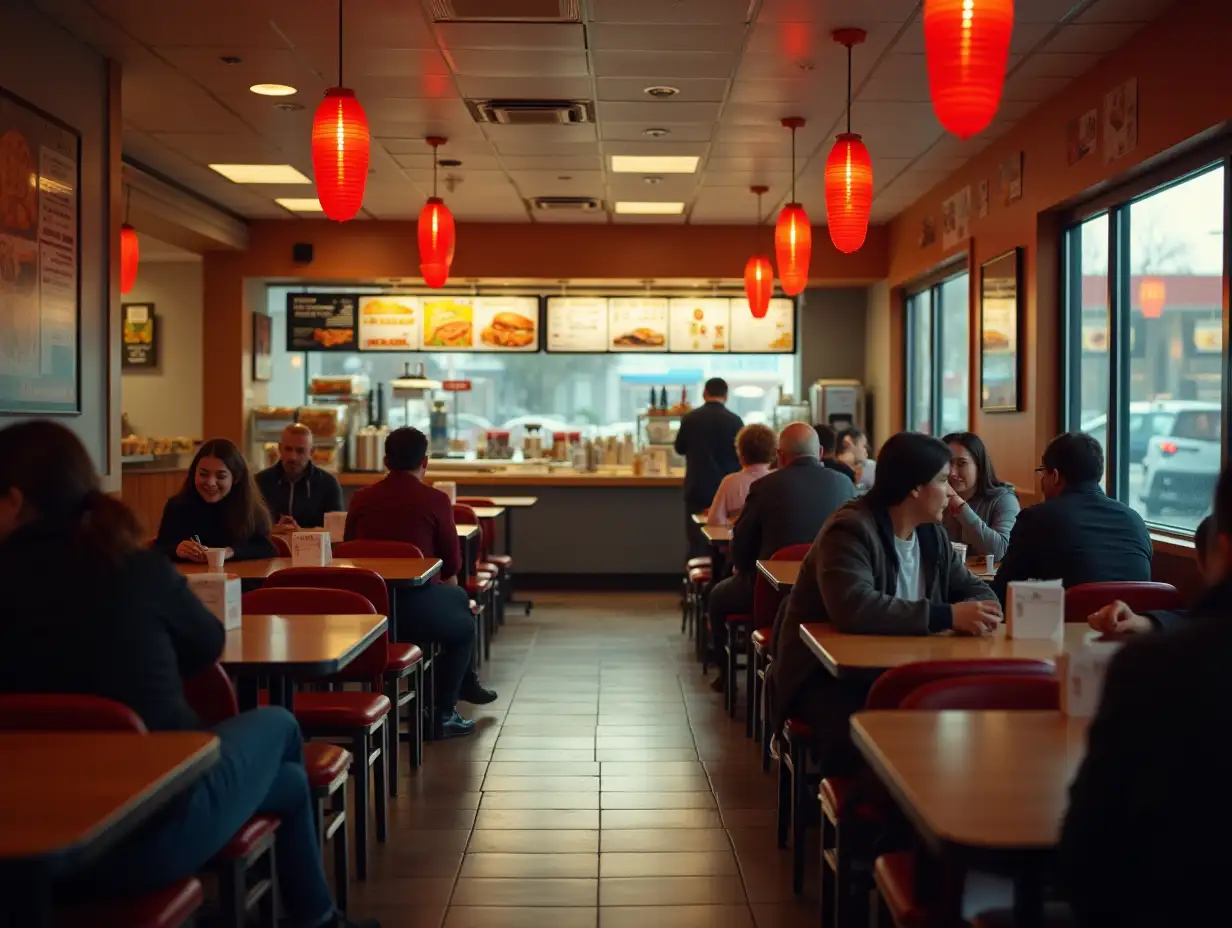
pixel 297 492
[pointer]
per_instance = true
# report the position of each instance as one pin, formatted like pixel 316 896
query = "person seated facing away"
pixel 1117 618
pixel 755 448
pixel 297 492
pixel 983 510
pixel 828 439
pixel 881 565
pixel 1077 534
pixel 1151 793
pixel 786 507
pixel 401 507
pixel 126 627
pixel 219 506
pixel 706 440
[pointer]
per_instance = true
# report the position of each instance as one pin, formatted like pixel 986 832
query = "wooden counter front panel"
pixel 147 492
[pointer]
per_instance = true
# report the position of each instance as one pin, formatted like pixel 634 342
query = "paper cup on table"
pixel 335 524
pixel 990 565
pixel 960 549
pixel 449 488
pixel 215 558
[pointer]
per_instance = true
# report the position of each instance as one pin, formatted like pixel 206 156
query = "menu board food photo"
pixel 774 333
pixel 507 323
pixel 389 322
pixel 700 325
pixel 577 323
pixel 140 343
pixel 320 322
pixel 637 324
pixel 449 324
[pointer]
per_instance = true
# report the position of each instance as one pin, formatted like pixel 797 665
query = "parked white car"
pixel 1182 463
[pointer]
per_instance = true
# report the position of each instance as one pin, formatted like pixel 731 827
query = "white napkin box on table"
pixel 219 593
pixel 1035 609
pixel 311 549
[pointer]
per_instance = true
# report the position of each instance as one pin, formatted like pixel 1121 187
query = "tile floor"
pixel 606 788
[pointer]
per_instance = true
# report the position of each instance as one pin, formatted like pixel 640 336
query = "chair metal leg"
pixel 395 716
pixel 232 894
pixel 799 815
pixel 750 687
pixel 415 682
pixel 342 856
pixel 361 747
pixel 382 780
pixel 784 804
pixel 267 907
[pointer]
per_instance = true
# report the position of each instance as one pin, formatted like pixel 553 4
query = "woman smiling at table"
pixel 218 507
pixel 982 511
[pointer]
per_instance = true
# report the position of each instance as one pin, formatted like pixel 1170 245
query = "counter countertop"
pixel 532 478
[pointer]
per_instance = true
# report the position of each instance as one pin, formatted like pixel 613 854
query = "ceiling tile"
pixel 418 161
pixel 257 66
pixel 899 78
pixel 650 37
pixel 554 183
pixel 759 167
pixel 389 62
pixel 373 23
pixel 659 67
pixel 692 90
pixel 681 12
pixel 518 63
pixel 656 113
pixel 1092 38
pixel 547 135
pixel 237 24
pixel 570 217
pixel 743 180
pixel 636 131
pixel 800 91
pixel 628 220
pixel 1047 64
pixel 534 36
pixel 840 12
pixel 558 163
pixel 538 145
pixel 1019 87
pixel 671 187
pixel 525 88
pixel 206 149
pixel 1124 11
pixel 1024 39
pixel 406 110
pixel 656 147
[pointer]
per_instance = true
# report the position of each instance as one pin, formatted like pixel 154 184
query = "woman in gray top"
pixel 983 510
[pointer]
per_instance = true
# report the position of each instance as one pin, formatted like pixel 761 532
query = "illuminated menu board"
pixel 390 322
pixel 577 323
pixel 637 324
pixel 775 333
pixel 700 325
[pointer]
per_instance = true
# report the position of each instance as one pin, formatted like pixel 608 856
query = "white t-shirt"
pixel 910 581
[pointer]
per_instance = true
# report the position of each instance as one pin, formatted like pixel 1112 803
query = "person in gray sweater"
pixel 881 565
pixel 983 510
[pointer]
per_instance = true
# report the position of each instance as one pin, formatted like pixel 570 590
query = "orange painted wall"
pixel 1184 88
pixel 367 251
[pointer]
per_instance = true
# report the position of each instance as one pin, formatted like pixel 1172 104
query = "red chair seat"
pixel 503 561
pixel 340 710
pixel 165 908
pixel 794 728
pixel 761 638
pixel 699 575
pixel 325 762
pixel 488 567
pixel 739 618
pixel 251 833
pixel 477 585
pixel 697 562
pixel 895 877
pixel 402 656
pixel 839 795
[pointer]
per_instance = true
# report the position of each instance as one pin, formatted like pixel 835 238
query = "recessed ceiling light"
pixel 260 173
pixel 287 106
pixel 654 164
pixel 300 204
pixel 273 90
pixel 652 179
pixel 634 208
pixel 661 91
pixel 656 133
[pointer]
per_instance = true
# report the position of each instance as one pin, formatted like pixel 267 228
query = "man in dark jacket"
pixel 706 440
pixel 788 506
pixel 1078 534
pixel 296 491
pixel 829 446
pixel 1139 847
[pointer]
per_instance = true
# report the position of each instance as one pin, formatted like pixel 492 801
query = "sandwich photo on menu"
pixel 448 324
pixel 509 330
pixel 639 338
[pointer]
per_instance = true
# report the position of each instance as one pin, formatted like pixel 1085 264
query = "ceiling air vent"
pixel 531 112
pixel 565 204
pixel 505 11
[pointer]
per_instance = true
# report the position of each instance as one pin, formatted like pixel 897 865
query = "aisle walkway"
pixel 607 788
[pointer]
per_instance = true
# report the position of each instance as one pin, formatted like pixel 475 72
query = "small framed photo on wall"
pixel 262 335
pixel 1001 320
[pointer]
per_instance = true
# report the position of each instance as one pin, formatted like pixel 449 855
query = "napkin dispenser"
pixel 219 593
pixel 335 524
pixel 1081 671
pixel 311 549
pixel 1035 609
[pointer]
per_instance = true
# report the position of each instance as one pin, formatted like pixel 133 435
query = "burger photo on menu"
pixel 639 338
pixel 509 330
pixel 448 324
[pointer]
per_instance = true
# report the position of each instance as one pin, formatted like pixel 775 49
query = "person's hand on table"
pixel 1117 619
pixel 286 524
pixel 978 617
pixel 190 550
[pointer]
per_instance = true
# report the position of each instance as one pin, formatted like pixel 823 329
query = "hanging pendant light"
pixel 130 249
pixel 437 232
pixel 793 238
pixel 849 173
pixel 340 147
pixel 968 45
pixel 758 273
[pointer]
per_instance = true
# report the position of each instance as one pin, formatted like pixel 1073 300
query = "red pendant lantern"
pixel 759 285
pixel 849 173
pixel 130 257
pixel 793 237
pixel 437 232
pixel 968 45
pixel 340 149
pixel 1152 296
pixel 434 275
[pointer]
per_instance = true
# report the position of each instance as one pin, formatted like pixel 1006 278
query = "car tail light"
pixel 1167 447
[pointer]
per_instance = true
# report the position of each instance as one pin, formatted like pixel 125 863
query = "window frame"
pixel 931 284
pixel 1200 157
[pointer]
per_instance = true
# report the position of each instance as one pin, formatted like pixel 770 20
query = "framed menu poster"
pixel 774 333
pixel 320 322
pixel 389 322
pixel 1001 333
pixel 577 323
pixel 699 325
pixel 448 323
pixel 637 324
pixel 40 277
pixel 139 336
pixel 507 323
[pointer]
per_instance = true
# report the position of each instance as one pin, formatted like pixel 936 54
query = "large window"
pixel 1146 348
pixel 938 357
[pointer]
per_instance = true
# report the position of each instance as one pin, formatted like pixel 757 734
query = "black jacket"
pixel 132 632
pixel 788 506
pixel 1140 847
pixel 306 500
pixel 707 441
pixel 1081 536
pixel 840 467
pixel 185 516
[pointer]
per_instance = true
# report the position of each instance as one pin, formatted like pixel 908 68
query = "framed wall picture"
pixel 140 336
pixel 1001 333
pixel 262 335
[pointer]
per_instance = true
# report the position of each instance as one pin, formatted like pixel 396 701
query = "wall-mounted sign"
pixel 774 333
pixel 456 386
pixel 140 336
pixel 577 323
pixel 389 322
pixel 700 325
pixel 321 322
pixel 637 323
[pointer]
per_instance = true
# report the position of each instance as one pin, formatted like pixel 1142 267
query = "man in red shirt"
pixel 401 507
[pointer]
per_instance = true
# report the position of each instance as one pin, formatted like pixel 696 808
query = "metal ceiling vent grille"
pixel 505 11
pixel 566 204
pixel 531 112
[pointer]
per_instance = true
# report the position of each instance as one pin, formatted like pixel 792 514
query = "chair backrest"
pixel 766 598
pixel 307 598
pixel 465 515
pixel 1140 596
pixel 66 712
pixel 211 695
pixel 282 547
pixel 989 691
pixel 475 501
pixel 893 686
pixel 370 548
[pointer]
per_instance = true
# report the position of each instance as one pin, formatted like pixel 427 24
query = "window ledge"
pixel 1176 545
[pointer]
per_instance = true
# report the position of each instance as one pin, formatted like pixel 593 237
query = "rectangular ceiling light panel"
pixel 260 173
pixel 655 164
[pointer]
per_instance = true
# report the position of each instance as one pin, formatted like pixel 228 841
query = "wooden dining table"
pixel 781 575
pixel 507 504
pixel 488 512
pixel 68 797
pixel 395 571
pixel 983 789
pixel 717 534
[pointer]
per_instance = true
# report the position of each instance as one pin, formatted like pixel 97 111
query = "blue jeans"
pixel 260 769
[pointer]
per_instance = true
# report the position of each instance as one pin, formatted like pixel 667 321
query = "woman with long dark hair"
pixel 982 512
pixel 219 506
pixel 87 610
